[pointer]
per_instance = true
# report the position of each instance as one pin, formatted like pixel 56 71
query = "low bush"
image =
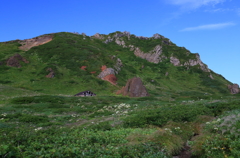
pixel 160 116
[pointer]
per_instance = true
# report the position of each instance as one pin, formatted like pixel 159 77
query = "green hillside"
pixel 189 113
pixel 67 52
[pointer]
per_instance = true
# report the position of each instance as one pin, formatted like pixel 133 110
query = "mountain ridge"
pixel 162 65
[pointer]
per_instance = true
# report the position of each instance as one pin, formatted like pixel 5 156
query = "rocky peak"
pixel 157 36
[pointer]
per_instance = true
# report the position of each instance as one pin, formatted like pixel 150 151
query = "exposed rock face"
pixel 29 43
pixel 157 36
pixel 118 65
pixel 175 61
pixel 134 88
pixel 108 40
pixel 197 61
pixel 14 61
pixel 111 78
pixel 121 43
pixel 211 76
pixel 106 72
pixel 51 73
pixel 98 36
pixel 234 89
pixel 153 56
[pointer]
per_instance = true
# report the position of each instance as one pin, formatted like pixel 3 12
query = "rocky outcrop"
pixel 108 74
pixel 120 42
pixel 107 71
pixel 118 65
pixel 197 61
pixel 234 89
pixel 29 43
pixel 15 60
pixel 134 88
pixel 98 36
pixel 111 78
pixel 175 61
pixel 153 56
pixel 157 36
pixel 51 73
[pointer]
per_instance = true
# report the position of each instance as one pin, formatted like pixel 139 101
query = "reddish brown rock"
pixel 134 88
pixel 15 60
pixel 83 68
pixel 234 89
pixel 103 67
pixel 111 78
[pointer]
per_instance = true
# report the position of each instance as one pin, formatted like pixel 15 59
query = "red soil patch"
pixel 111 78
pixel 83 68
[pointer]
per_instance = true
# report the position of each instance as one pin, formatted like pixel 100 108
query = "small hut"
pixel 85 94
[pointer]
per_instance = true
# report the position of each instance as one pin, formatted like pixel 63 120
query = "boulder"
pixel 14 61
pixel 134 88
pixel 234 89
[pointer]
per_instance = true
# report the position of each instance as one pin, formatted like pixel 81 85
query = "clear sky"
pixel 208 27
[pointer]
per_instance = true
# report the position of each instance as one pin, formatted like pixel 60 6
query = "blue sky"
pixel 208 27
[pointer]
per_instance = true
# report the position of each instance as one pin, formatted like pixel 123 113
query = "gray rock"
pixel 118 65
pixel 98 36
pixel 197 61
pixel 106 72
pixel 175 61
pixel 153 56
pixel 157 36
pixel 120 42
pixel 234 89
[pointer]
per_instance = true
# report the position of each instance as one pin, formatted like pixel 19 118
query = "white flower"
pixel 37 129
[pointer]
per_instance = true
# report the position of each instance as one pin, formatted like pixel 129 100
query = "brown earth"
pixel 111 78
pixel 29 43
pixel 14 61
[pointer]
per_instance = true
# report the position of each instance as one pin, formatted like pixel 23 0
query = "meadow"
pixel 115 126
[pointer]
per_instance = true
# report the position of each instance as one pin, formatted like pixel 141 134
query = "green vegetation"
pixel 39 117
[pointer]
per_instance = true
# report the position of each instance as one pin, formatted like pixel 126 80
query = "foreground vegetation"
pixel 60 126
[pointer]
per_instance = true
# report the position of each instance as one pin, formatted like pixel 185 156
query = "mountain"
pixel 68 63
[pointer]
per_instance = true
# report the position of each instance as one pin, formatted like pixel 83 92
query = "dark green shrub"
pixel 160 116
pixel 33 119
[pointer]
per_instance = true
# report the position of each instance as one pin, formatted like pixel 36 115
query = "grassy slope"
pixel 67 52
